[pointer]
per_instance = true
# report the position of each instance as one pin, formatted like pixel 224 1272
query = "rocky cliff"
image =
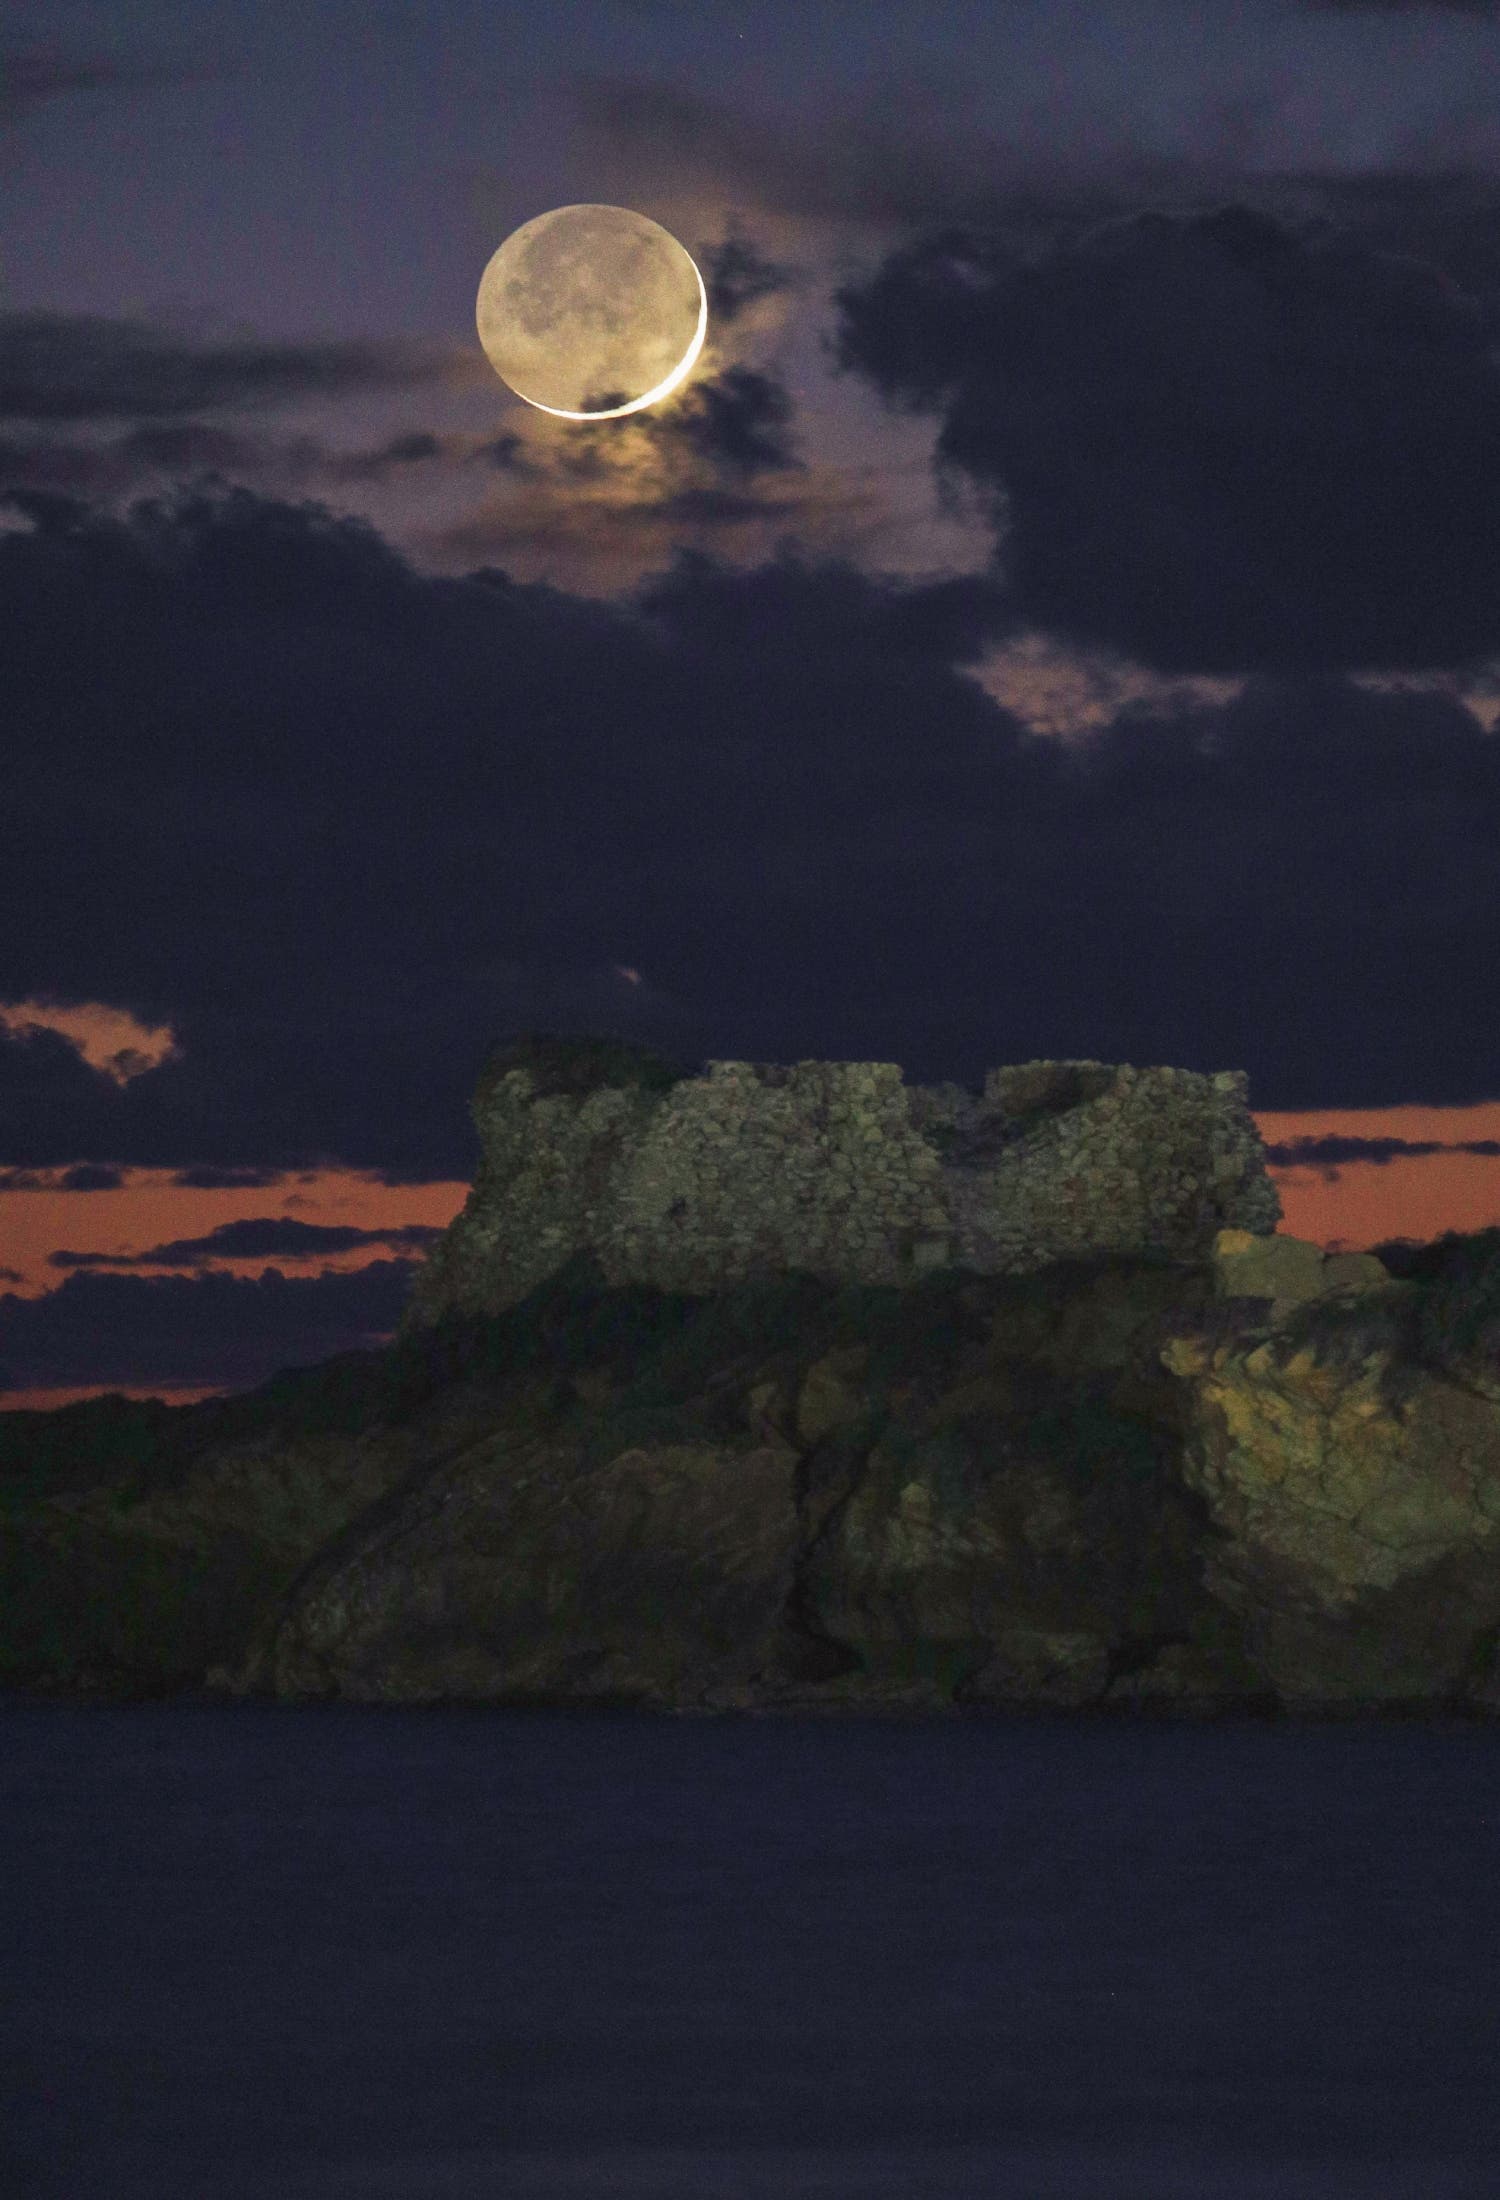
pixel 1262 1483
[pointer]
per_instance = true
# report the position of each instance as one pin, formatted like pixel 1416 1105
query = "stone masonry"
pixel 691 1182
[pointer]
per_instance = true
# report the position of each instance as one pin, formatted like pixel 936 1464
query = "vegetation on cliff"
pixel 141 1544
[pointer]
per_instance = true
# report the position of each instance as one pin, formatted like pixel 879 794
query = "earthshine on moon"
pixel 588 303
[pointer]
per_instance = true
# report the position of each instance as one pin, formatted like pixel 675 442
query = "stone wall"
pixel 689 1182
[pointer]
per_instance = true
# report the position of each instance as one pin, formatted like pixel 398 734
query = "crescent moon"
pixel 683 367
pixel 583 298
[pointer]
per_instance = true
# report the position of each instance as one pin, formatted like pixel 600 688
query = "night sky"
pixel 1059 615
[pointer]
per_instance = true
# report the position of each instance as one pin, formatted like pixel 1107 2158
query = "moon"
pixel 587 304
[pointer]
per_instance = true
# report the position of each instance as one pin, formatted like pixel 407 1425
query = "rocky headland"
pixel 1251 1481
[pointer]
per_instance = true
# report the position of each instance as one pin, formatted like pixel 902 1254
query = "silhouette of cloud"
pixel 90 1176
pixel 61 366
pixel 253 1238
pixel 1209 442
pixel 356 822
pixel 906 155
pixel 231 1179
pixel 214 1331
pixel 738 423
pixel 192 451
pixel 1336 1152
pixel 736 274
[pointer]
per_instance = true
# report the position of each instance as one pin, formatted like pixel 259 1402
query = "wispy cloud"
pixel 1330 1153
pixel 254 1237
pixel 59 366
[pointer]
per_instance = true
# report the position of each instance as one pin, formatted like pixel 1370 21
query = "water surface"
pixel 325 1952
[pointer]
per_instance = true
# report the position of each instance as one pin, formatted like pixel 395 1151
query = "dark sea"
pixel 343 1953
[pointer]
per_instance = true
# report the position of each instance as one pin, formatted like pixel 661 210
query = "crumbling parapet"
pixel 839 1169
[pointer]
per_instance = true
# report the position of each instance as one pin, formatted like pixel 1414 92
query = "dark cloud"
pixel 358 823
pixel 824 615
pixel 503 452
pixel 181 1332
pixel 1449 221
pixel 1210 443
pixel 222 1180
pixel 735 275
pixel 85 1176
pixel 255 1237
pixel 60 366
pixel 917 157
pixel 191 451
pixel 729 426
pixel 613 499
pixel 108 469
pixel 711 506
pixel 89 1176
pixel 418 447
pixel 1331 1154
pixel 410 449
pixel 737 423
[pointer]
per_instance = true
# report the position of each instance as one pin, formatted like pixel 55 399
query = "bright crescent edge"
pixel 662 389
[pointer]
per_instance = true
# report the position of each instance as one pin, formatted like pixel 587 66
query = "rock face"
pixel 964 1503
pixel 141 1544
pixel 1359 1525
pixel 1287 1270
pixel 1267 1482
pixel 835 1169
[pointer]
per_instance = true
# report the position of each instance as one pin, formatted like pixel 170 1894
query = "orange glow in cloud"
pixel 109 1039
pixel 149 1209
pixel 1353 1205
pixel 1056 687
